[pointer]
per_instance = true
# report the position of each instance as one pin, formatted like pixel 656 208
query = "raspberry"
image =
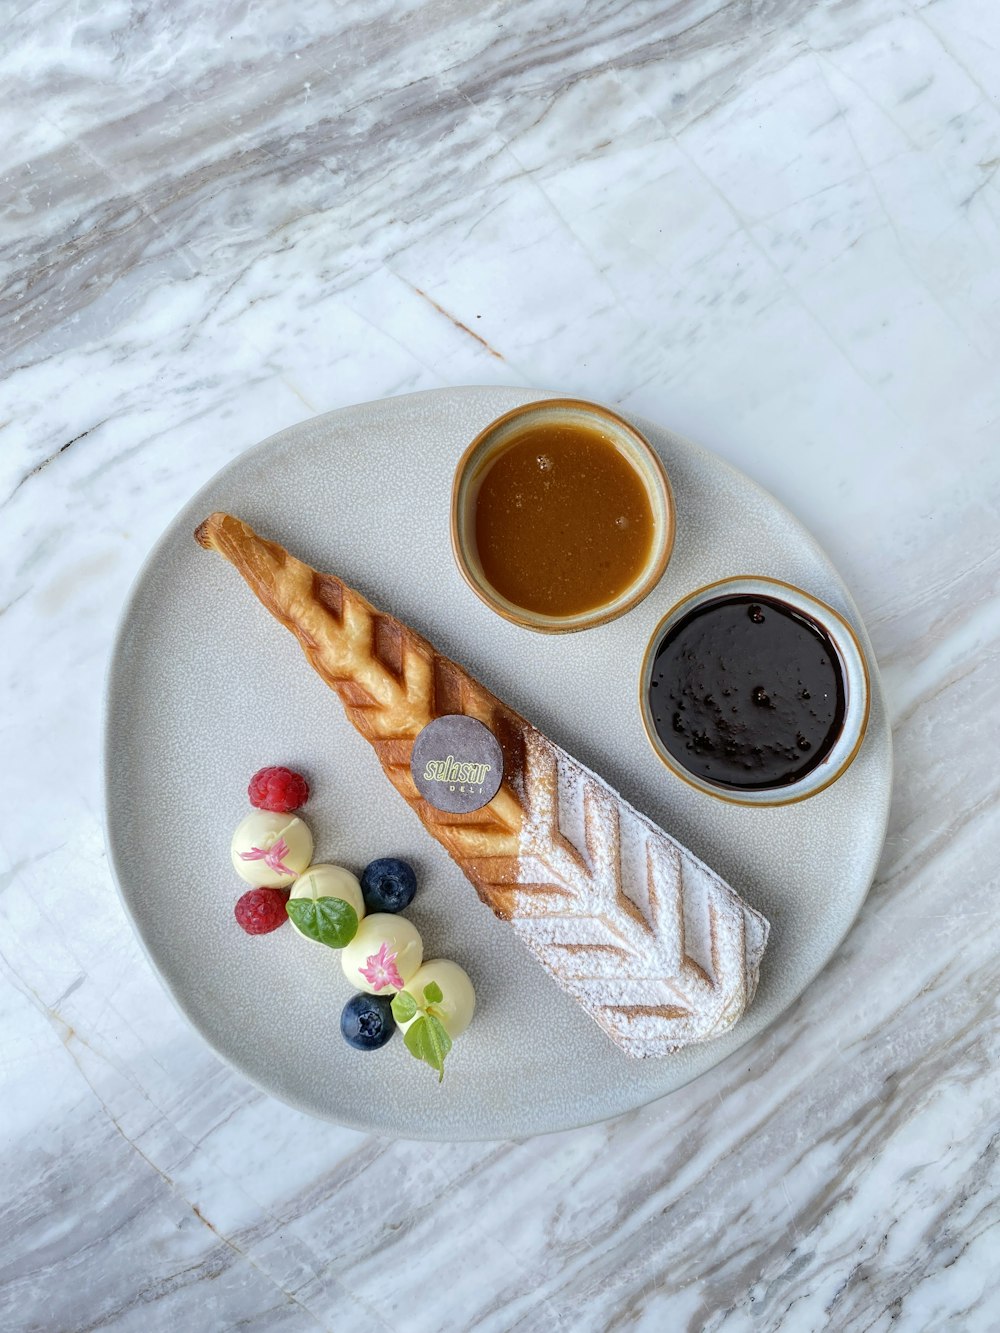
pixel 260 911
pixel 278 789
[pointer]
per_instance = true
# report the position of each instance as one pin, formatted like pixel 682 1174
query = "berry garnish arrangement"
pixel 381 952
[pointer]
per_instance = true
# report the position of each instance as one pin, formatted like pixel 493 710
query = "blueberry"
pixel 388 885
pixel 367 1022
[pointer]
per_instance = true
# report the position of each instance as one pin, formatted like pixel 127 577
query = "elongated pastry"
pixel 651 942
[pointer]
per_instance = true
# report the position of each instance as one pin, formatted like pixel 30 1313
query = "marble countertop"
pixel 773 225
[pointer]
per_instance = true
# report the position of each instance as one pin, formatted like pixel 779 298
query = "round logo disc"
pixel 457 764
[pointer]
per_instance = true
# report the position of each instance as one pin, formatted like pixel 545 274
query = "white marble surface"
pixel 773 225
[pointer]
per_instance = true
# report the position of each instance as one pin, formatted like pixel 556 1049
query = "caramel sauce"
pixel 563 522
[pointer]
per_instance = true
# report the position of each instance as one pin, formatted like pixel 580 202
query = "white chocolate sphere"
pixel 253 848
pixel 386 944
pixel 455 1010
pixel 328 881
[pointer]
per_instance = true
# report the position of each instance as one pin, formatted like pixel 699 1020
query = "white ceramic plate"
pixel 205 688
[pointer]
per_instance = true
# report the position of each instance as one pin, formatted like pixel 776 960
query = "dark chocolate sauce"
pixel 747 693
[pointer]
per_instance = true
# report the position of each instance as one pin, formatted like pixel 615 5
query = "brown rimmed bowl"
pixel 476 462
pixel 853 667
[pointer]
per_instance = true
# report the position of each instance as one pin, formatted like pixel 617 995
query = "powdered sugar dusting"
pixel 657 948
pixel 570 813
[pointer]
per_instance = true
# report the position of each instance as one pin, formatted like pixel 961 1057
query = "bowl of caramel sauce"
pixel 562 516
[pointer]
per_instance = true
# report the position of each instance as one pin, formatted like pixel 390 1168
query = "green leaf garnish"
pixel 428 1040
pixel 426 1037
pixel 331 921
pixel 404 1006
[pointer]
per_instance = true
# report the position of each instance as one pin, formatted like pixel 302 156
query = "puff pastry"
pixel 657 948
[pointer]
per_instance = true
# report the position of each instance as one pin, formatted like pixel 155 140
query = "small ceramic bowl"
pixel 475 463
pixel 853 667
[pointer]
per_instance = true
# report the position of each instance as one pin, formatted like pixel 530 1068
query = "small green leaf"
pixel 331 921
pixel 433 993
pixel 428 1041
pixel 404 1006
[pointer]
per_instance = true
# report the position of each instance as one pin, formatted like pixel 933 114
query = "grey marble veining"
pixel 775 227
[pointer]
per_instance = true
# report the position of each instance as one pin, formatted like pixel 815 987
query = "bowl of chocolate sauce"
pixel 755 692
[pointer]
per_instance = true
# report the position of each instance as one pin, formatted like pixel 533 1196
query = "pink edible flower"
pixel 273 858
pixel 381 970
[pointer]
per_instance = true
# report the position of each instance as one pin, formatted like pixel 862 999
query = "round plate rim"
pixel 115 668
